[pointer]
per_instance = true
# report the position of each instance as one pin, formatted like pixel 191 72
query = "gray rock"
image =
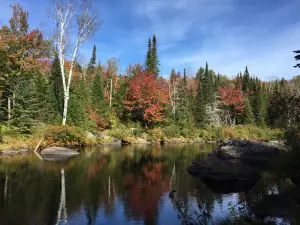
pixel 24 151
pixel 224 176
pixel 10 152
pixel 248 151
pixel 89 135
pixel 61 151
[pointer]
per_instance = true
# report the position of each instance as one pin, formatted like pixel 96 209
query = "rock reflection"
pixel 131 185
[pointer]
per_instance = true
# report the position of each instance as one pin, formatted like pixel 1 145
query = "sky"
pixel 228 34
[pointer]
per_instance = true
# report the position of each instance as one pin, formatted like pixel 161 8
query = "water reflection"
pixel 132 185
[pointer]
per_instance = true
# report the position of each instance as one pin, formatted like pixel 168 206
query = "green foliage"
pixel 99 102
pixel 172 131
pixel 152 62
pixel 56 95
pixel 120 132
pixel 26 105
pixel 78 103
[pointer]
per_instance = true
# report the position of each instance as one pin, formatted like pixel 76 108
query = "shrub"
pixel 120 132
pixel 172 131
pixel 229 133
pixel 189 132
pixel 64 136
pixel 157 133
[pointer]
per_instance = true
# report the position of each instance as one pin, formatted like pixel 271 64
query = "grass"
pixel 73 136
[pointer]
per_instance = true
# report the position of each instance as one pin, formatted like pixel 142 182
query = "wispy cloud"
pixel 229 34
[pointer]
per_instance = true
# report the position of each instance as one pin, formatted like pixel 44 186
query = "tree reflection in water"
pixel 131 185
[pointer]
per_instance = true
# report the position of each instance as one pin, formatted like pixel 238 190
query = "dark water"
pixel 131 185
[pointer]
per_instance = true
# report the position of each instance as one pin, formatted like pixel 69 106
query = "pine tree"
pixel 56 91
pixel 26 105
pixel 149 58
pixel 246 80
pixel 93 59
pixel 184 112
pixel 248 117
pixel 91 65
pixel 156 63
pixel 79 102
pixel 200 100
pixel 297 57
pixel 98 98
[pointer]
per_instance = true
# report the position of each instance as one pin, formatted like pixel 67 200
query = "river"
pixel 130 185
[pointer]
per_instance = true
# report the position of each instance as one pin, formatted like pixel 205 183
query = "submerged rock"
pixel 224 176
pixel 234 166
pixel 58 153
pixel 10 152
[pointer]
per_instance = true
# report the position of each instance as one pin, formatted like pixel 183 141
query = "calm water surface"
pixel 129 185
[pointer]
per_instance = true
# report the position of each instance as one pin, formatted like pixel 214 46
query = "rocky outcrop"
pixel 250 152
pixel 234 166
pixel 58 153
pixel 11 152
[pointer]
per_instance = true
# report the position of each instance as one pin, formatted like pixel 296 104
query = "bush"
pixel 120 132
pixel 64 136
pixel 172 131
pixel 189 132
pixel 157 133
pixel 229 133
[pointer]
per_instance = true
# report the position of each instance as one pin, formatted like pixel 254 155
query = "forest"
pixel 46 91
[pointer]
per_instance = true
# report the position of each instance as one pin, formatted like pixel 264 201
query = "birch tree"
pixel 174 86
pixel 64 14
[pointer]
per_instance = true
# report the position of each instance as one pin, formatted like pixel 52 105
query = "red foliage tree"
pixel 232 101
pixel 146 97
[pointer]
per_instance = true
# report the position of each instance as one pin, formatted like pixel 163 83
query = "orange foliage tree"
pixel 232 101
pixel 146 98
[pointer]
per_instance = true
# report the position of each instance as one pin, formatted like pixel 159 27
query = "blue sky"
pixel 228 34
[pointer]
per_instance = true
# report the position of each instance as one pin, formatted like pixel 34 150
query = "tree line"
pixel 40 84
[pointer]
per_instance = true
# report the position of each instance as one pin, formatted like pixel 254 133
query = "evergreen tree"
pixel 248 117
pixel 149 57
pixel 56 97
pixel 185 79
pixel 79 102
pixel 93 59
pixel 155 68
pixel 98 98
pixel 200 100
pixel 297 57
pixel 26 105
pixel 246 80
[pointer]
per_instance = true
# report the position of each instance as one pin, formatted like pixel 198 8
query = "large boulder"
pixel 234 166
pixel 224 176
pixel 58 153
pixel 250 152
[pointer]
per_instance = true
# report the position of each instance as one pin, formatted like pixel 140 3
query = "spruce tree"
pixel 93 59
pixel 26 105
pixel 246 80
pixel 56 98
pixel 297 57
pixel 98 98
pixel 91 65
pixel 184 113
pixel 149 58
pixel 156 63
pixel 185 79
pixel 200 100
pixel 248 117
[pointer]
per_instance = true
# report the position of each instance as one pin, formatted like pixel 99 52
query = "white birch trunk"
pixel 8 108
pixel 110 95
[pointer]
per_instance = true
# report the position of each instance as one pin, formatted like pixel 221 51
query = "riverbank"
pixel 67 136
